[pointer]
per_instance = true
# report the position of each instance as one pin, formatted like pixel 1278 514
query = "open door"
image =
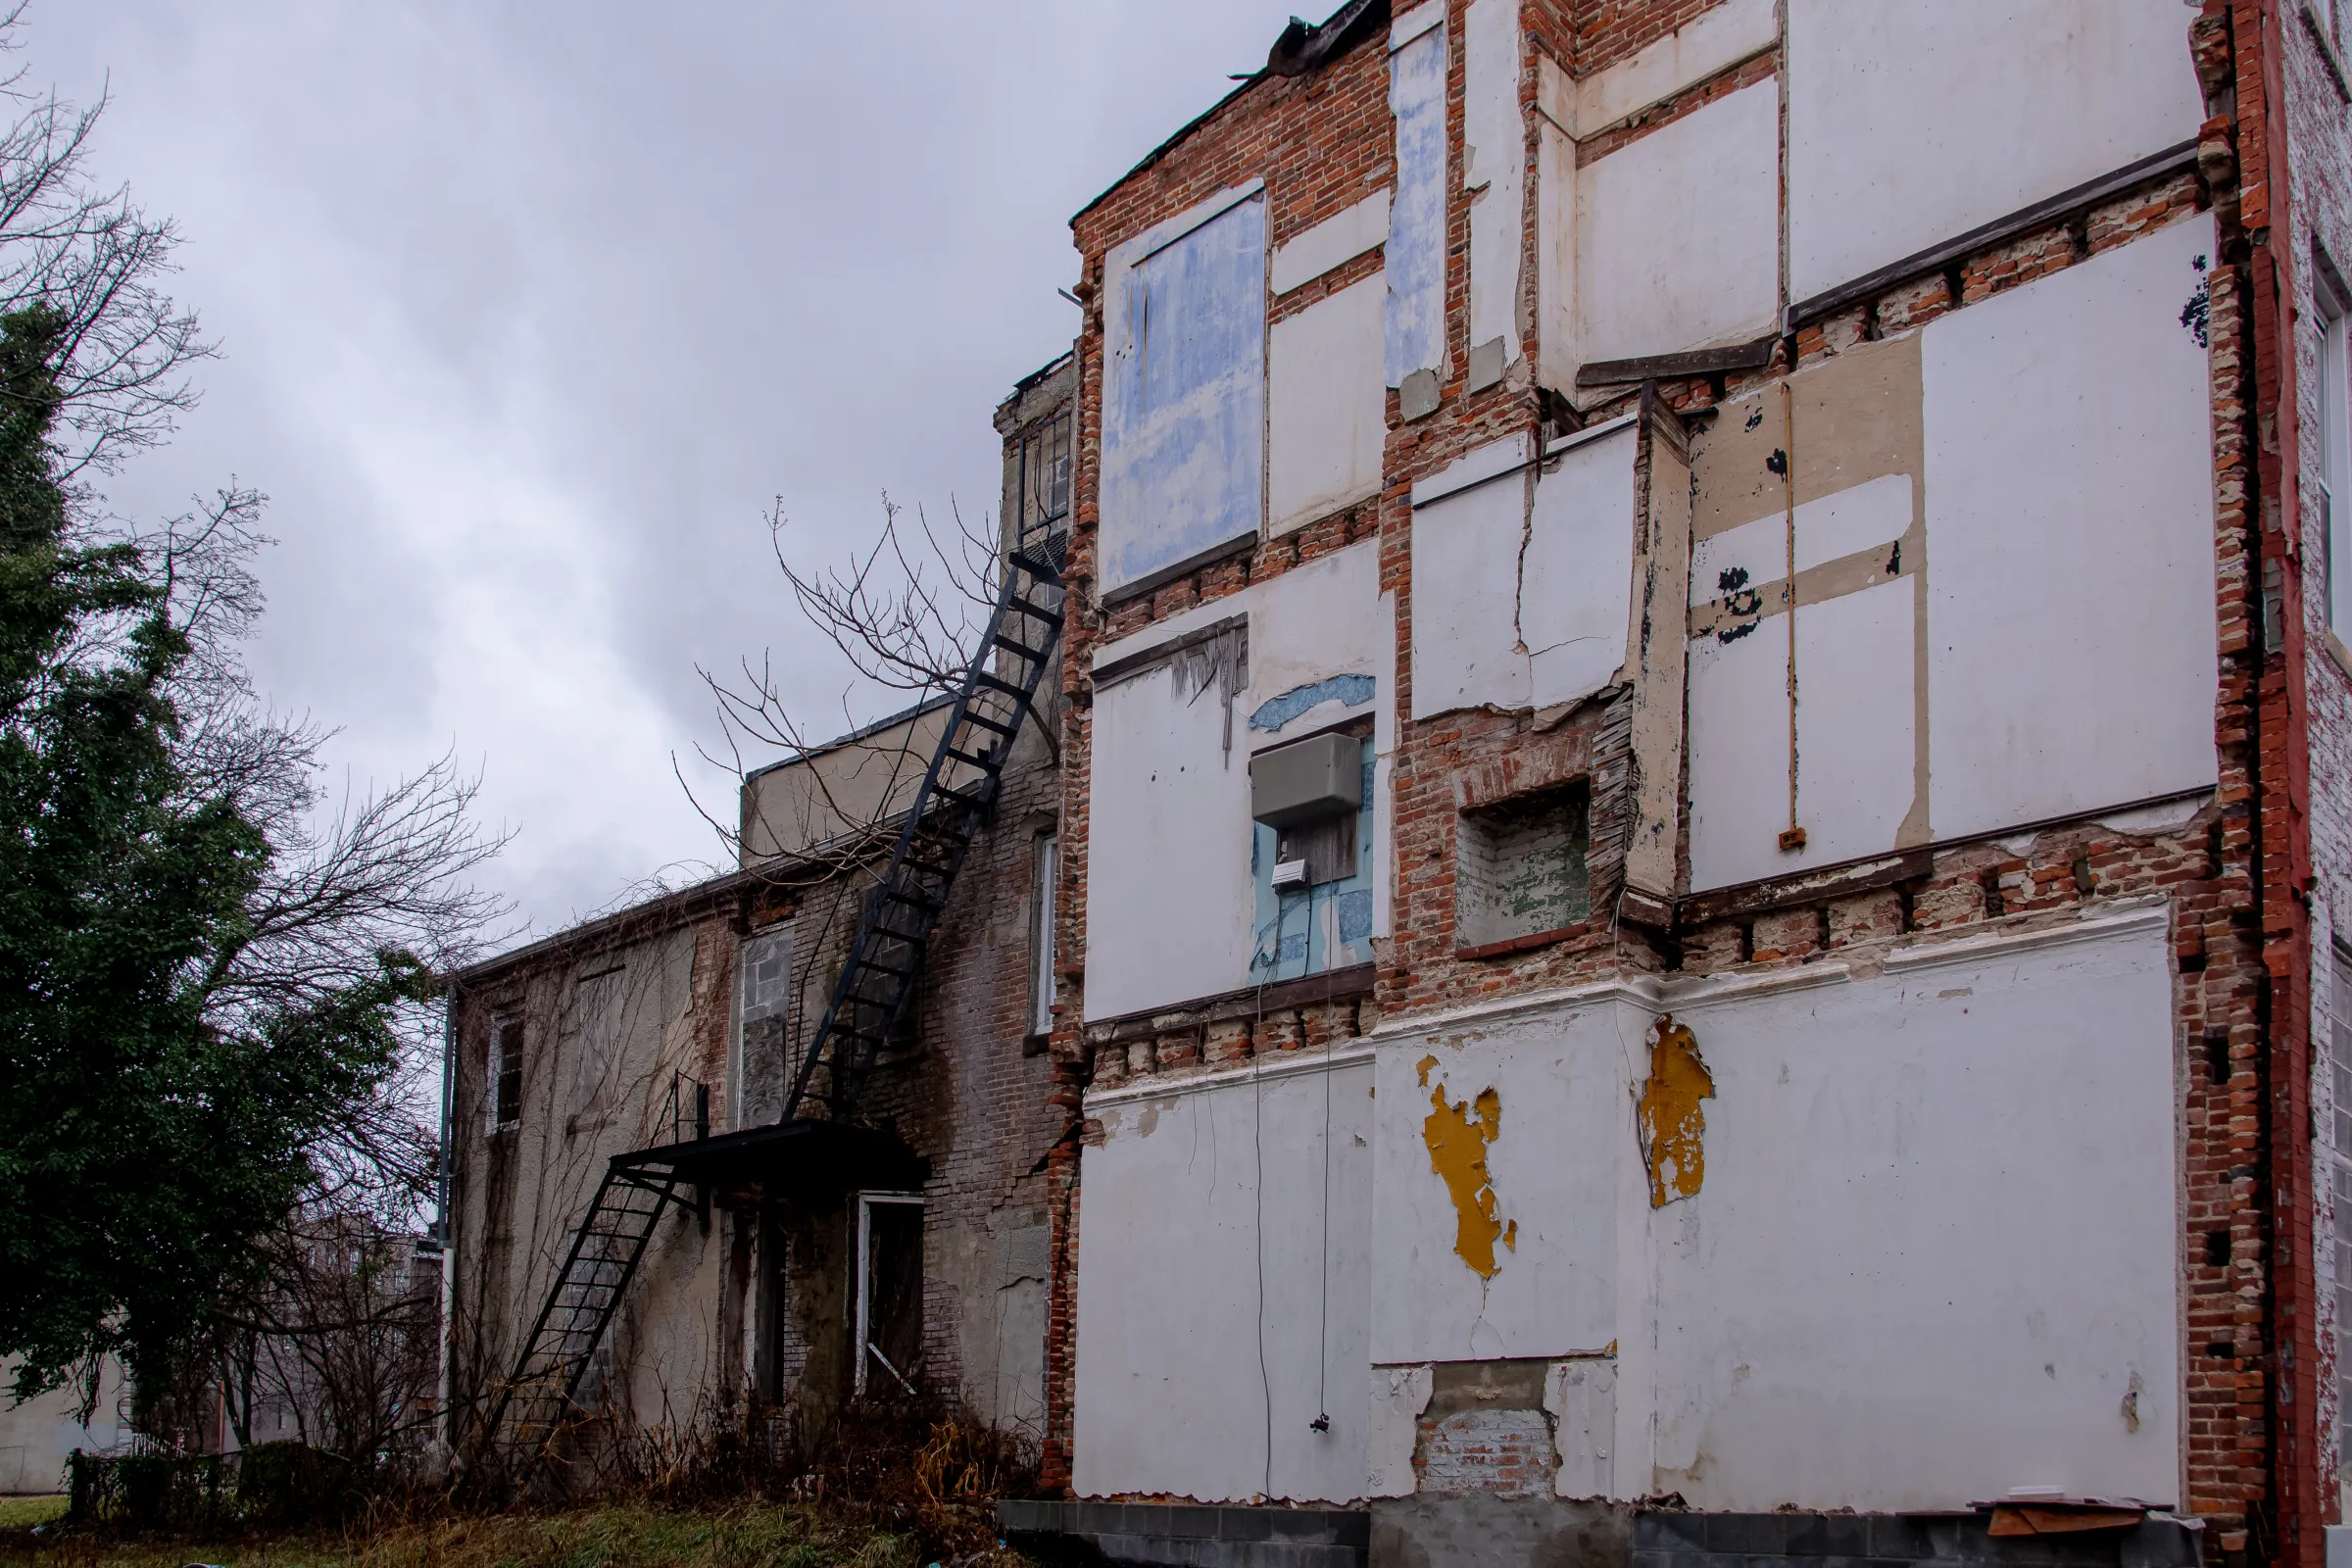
pixel 889 1320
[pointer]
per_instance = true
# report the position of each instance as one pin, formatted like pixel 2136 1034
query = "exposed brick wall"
pixel 2317 115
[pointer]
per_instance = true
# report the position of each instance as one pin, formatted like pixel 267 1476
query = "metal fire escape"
pixel 869 999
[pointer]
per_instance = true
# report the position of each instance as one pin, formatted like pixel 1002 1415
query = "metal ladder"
pixel 869 999
pixel 539 1394
pixel 894 931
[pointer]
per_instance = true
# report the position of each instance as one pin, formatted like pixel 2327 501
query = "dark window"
pixel 505 1062
pixel 1042 507
pixel 890 1295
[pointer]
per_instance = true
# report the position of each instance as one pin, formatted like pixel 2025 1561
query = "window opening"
pixel 888 1318
pixel 1520 868
pixel 1041 936
pixel 1312 856
pixel 506 1070
pixel 2335 462
pixel 1044 505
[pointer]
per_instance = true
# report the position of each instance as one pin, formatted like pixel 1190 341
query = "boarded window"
pixel 2338 1079
pixel 506 1071
pixel 1520 868
pixel 762 1054
pixel 890 1294
pixel 591 1034
pixel 1183 410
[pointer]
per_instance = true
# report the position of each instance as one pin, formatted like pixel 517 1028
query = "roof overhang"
pixel 797 1159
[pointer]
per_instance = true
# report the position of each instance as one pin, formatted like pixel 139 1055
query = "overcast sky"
pixel 528 312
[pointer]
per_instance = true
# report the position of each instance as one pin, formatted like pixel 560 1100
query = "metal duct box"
pixel 1307 782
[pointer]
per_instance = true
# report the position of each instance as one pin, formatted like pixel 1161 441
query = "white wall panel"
pixel 1466 651
pixel 1495 167
pixel 1342 237
pixel 1197 1201
pixel 1327 412
pixel 2071 621
pixel 1561 1171
pixel 1856 711
pixel 1576 595
pixel 1677 241
pixel 1911 121
pixel 1937 1241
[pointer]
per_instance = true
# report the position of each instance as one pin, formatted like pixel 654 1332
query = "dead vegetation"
pixel 882 1486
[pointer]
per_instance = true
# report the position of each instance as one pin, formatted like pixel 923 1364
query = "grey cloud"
pixel 527 311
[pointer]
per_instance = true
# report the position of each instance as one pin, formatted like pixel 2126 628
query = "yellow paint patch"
pixel 1673 1126
pixel 1425 1064
pixel 1458 1136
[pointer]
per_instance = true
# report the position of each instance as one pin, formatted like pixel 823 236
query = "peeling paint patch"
pixel 1422 1068
pixel 1276 712
pixel 1458 1136
pixel 1673 1124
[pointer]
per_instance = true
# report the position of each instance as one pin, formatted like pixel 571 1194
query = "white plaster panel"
pixel 1415 258
pixel 1308 255
pixel 1399 1394
pixel 1581 1398
pixel 1760 549
pixel 1211 1254
pixel 1555 1165
pixel 2072 642
pixel 1168 888
pixel 1465 594
pixel 1495 167
pixel 1677 233
pixel 1937 1241
pixel 1710 42
pixel 1856 734
pixel 1168 892
pixel 1576 588
pixel 1863 516
pixel 1911 121
pixel 1555 254
pixel 1327 414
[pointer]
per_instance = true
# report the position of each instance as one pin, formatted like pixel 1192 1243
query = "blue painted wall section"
pixel 1304 931
pixel 1347 690
pixel 1184 410
pixel 1415 259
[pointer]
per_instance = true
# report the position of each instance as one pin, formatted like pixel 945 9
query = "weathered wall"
pixel 1170 907
pixel 2009 103
pixel 2051 350
pixel 1225 1308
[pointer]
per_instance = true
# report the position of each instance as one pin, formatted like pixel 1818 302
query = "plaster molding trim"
pixel 2123 917
pixel 2126 916
pixel 1296 1063
pixel 1642 992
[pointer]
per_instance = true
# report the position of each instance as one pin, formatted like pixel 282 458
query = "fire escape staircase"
pixel 869 1002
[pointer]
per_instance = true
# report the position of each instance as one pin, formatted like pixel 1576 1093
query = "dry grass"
pixel 749 1535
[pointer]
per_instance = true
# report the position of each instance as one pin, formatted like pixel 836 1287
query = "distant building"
pixel 890 1232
